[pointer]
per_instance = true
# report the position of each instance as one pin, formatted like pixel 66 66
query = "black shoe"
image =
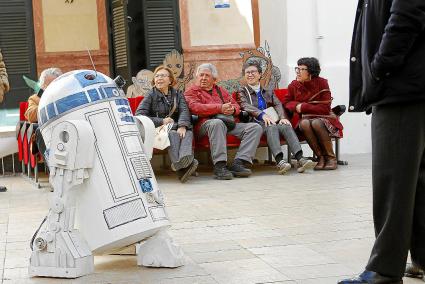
pixel 221 172
pixel 3 188
pixel 413 271
pixel 370 277
pixel 185 173
pixel 238 169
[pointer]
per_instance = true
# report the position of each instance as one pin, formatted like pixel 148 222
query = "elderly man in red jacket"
pixel 212 104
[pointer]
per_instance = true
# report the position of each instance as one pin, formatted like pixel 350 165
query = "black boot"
pixel 238 169
pixel 3 188
pixel 221 172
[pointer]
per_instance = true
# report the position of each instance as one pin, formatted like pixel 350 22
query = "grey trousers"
pixel 273 133
pixel 180 150
pixel 398 178
pixel 216 130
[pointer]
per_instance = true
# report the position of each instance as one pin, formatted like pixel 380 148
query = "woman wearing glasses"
pixel 309 99
pixel 254 99
pixel 163 104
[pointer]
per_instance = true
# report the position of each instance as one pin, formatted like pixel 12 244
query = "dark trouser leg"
pixel 417 247
pixel 180 150
pixel 398 139
pixel 325 142
pixel 216 131
pixel 313 142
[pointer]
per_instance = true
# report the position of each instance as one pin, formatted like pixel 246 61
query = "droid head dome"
pixel 75 90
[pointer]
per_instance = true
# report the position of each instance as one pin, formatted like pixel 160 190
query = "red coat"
pixel 302 92
pixel 201 103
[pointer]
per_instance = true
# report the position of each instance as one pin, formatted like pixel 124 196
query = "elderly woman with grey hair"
pixel 46 77
pixel 254 99
pixel 217 110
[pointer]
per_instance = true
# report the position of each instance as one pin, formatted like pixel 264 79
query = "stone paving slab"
pixel 306 228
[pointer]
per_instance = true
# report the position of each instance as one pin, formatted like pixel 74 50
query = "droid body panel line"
pixel 101 173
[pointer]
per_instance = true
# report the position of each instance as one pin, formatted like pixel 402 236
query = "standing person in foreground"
pixel 217 110
pixel 4 88
pixel 387 74
pixel 163 105
pixel 254 99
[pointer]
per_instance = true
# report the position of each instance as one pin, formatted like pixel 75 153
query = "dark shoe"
pixel 331 163
pixel 187 172
pixel 370 277
pixel 305 164
pixel 221 172
pixel 413 271
pixel 3 188
pixel 283 167
pixel 238 169
pixel 320 164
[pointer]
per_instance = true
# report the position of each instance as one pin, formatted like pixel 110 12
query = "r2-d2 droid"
pixel 102 180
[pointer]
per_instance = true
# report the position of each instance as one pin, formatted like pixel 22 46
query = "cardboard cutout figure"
pixel 174 61
pixel 141 84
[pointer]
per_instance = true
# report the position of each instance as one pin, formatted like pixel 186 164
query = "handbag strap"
pixel 249 94
pixel 318 93
pixel 220 94
pixel 173 109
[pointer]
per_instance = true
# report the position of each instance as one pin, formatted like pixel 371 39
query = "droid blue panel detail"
pixel 94 95
pixel 123 102
pixel 51 110
pixel 71 102
pixel 111 92
pixel 146 185
pixel 43 115
pixel 93 78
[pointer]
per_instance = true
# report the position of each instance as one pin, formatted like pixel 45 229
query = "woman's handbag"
pixel 270 111
pixel 311 101
pixel 161 140
pixel 228 120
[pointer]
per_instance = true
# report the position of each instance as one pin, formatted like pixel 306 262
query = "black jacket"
pixel 156 107
pixel 387 53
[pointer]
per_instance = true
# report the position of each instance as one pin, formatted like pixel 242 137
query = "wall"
pixel 63 30
pixel 323 29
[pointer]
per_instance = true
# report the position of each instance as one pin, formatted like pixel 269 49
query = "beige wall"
pixel 70 26
pixel 224 26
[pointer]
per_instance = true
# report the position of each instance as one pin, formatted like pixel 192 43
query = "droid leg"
pixel 160 251
pixel 58 249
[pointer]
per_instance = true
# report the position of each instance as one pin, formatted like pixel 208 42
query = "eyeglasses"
pixel 298 69
pixel 161 75
pixel 251 72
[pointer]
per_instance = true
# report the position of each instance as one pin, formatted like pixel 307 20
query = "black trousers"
pixel 398 176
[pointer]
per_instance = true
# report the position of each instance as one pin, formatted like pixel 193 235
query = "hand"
pixel 298 108
pixel 284 121
pixel 227 108
pixel 267 120
pixel 181 131
pixel 167 120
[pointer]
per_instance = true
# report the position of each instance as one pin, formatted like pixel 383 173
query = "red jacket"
pixel 201 103
pixel 302 92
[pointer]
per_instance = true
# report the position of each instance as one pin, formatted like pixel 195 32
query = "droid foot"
pixel 160 251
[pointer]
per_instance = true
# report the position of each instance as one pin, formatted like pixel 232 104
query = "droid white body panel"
pixel 99 171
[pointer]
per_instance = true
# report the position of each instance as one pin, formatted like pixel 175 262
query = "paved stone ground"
pixel 298 228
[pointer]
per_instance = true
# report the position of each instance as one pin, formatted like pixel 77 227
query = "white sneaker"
pixel 283 167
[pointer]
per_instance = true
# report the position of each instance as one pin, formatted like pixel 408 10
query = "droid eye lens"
pixel 89 76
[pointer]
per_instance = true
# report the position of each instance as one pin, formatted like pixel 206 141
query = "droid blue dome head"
pixel 75 90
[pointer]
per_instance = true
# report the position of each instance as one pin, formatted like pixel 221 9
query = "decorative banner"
pixel 221 3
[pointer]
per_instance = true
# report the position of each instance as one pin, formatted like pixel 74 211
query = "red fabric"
pixel 134 103
pixel 25 148
pixel 22 109
pixel 204 105
pixel 302 92
pixel 20 147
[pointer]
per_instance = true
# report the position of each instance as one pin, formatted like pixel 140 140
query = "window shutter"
pixel 120 39
pixel 17 45
pixel 162 32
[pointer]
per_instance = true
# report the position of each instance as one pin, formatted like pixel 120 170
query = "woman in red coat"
pixel 309 99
